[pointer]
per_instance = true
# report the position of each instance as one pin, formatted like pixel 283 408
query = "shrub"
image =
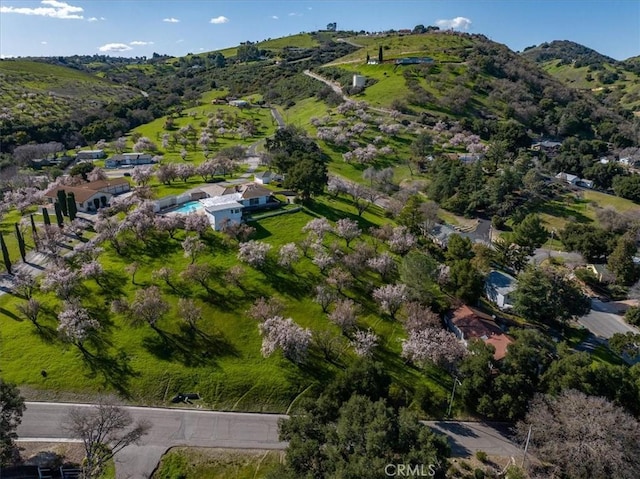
pixel 481 456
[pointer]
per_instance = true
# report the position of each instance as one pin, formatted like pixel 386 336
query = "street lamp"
pixel 453 392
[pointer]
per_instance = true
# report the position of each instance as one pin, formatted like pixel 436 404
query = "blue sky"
pixel 141 27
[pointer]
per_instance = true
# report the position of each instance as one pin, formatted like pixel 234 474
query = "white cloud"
pixel 294 14
pixel 43 42
pixel 219 20
pixel 170 20
pixel 115 47
pixel 102 18
pixel 275 17
pixel 180 41
pixel 51 8
pixel 92 19
pixel 458 23
pixel 138 42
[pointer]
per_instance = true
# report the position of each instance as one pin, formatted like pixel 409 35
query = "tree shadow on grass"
pixel 287 283
pixel 336 214
pixel 111 283
pixel 10 314
pixel 191 347
pixel 116 370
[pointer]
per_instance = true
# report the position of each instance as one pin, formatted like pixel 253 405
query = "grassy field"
pixel 221 360
pixel 196 463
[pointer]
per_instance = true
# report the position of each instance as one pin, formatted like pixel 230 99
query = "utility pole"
pixel 453 392
pixel 526 447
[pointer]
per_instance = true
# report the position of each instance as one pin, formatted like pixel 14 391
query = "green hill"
pixel 36 95
pixel 613 82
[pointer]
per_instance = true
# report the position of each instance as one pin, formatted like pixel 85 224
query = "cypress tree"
pixel 380 55
pixel 34 231
pixel 59 216
pixel 23 250
pixel 62 200
pixel 5 254
pixel 71 206
pixel 45 217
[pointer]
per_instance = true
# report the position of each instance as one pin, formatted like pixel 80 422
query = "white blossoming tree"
pixel 284 334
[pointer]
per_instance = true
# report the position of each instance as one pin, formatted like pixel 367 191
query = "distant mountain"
pixel 613 82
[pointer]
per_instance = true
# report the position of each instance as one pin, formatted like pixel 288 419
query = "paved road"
pixel 603 322
pixel 541 254
pixel 192 427
pixel 170 427
pixel 466 438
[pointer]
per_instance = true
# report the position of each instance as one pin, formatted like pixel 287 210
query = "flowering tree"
pixel 391 297
pixel 74 323
pixel 148 306
pixel 166 173
pixel 364 343
pixel 234 274
pixel 185 171
pixel 120 144
pixel 141 220
pixel 31 310
pixel 263 309
pixel 192 246
pixel 323 260
pixel 169 223
pixel 288 255
pixel 189 311
pixel 200 273
pixel 384 264
pixel 24 284
pixel 77 227
pixel 347 229
pixel 401 240
pixel 318 226
pixel 344 314
pixel 97 174
pixel 254 253
pixel 52 238
pixel 324 297
pixel 433 344
pixel 144 144
pixel 164 274
pixel 284 334
pixel 142 175
pixel 197 222
pixel 62 280
pixel 93 270
pixel 339 279
pixel 419 317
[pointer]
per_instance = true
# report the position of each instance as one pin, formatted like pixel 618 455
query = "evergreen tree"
pixel 71 206
pixel 34 231
pixel 5 254
pixel 45 217
pixel 20 238
pixel 380 58
pixel 59 217
pixel 62 200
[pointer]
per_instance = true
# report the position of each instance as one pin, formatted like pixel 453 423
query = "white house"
pixel 499 288
pixel 359 80
pixel 568 178
pixel 266 177
pixel 223 209
pixel 90 154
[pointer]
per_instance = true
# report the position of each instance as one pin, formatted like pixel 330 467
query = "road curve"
pixel 199 428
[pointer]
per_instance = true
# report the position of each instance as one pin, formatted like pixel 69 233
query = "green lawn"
pixel 221 360
pixel 197 463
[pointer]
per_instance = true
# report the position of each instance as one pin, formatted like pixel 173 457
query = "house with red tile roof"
pixel 466 323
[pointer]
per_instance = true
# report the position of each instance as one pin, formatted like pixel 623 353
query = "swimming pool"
pixel 189 207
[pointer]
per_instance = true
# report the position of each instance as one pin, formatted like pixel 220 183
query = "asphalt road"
pixel 44 422
pixel 603 322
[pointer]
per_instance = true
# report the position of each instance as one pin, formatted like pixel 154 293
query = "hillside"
pixel 612 82
pixel 37 95
pixel 471 79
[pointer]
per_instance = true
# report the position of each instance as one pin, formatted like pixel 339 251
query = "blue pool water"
pixel 189 207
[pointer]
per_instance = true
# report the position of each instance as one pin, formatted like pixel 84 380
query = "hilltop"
pixel 611 81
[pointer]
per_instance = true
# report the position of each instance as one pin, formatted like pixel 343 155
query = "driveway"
pixel 604 320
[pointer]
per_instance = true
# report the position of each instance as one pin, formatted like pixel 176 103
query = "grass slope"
pixel 222 359
pixel 39 93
